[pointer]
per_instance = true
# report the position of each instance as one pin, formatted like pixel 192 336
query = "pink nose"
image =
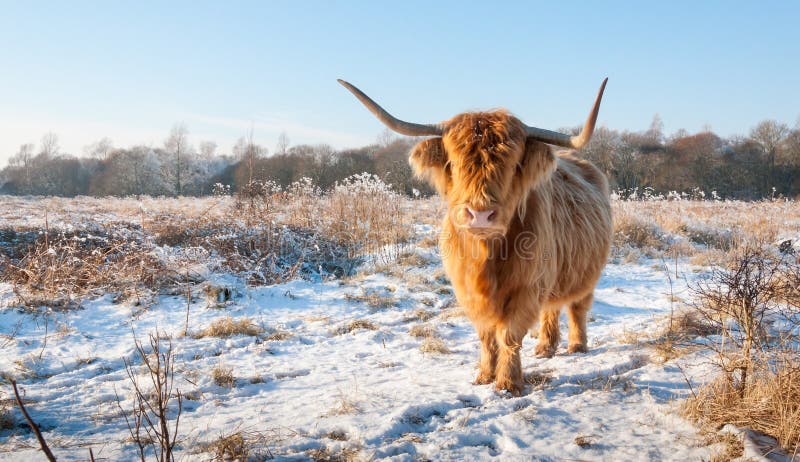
pixel 480 218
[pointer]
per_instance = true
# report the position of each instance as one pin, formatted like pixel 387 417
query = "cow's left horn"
pixel 567 141
pixel 400 126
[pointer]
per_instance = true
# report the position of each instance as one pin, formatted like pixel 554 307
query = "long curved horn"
pixel 400 126
pixel 567 141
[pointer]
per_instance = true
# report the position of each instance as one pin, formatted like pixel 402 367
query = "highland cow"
pixel 527 231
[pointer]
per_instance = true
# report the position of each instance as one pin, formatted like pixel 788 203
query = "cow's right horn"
pixel 567 141
pixel 400 126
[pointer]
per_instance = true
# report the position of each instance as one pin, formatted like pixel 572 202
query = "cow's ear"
pixel 538 162
pixel 429 161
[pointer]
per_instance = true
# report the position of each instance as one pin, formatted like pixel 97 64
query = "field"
pixel 308 326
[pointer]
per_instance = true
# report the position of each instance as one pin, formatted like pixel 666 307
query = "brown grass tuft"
pixel 634 231
pixel 227 327
pixel 423 331
pixel 324 454
pixel 771 404
pixel 355 325
pixel 434 345
pixel 231 447
pixel 6 418
pixel 223 376
pixel 376 299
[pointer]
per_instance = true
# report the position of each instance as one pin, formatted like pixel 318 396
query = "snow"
pixel 374 388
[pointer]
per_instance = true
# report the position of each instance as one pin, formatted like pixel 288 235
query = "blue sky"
pixel 130 70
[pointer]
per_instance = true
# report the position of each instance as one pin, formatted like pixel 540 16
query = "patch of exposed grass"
pixel 376 299
pixel 337 435
pixel 423 331
pixel 356 324
pixel 344 405
pixel 538 379
pixel 324 454
pixel 434 345
pixel 420 315
pixel 231 447
pixel 770 404
pixel 6 418
pixel 227 327
pixel 730 447
pixel 280 335
pixel 411 259
pixel 223 376
pixel 631 230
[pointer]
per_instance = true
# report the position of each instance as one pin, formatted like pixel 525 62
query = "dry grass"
pixel 223 376
pixel 376 298
pixel 412 259
pixel 6 418
pixel 58 268
pixel 677 336
pixel 434 345
pixel 355 325
pixel 771 404
pixel 279 336
pixel 731 447
pixel 345 405
pixel 227 327
pixel 538 379
pixel 586 441
pixel 420 315
pixel 423 331
pixel 337 435
pixel 232 447
pixel 632 230
pixel 324 454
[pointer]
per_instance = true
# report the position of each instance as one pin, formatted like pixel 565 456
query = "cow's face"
pixel 484 165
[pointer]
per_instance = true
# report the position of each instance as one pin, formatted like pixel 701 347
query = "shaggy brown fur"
pixel 552 240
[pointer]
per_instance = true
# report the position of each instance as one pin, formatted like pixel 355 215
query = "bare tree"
pixel 100 149
pixel 655 133
pixel 283 143
pixel 50 145
pixel 769 135
pixel 207 150
pixel 386 137
pixel 177 145
pixel 23 159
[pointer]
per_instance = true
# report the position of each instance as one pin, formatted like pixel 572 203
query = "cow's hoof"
pixel 510 386
pixel 483 379
pixel 577 348
pixel 545 351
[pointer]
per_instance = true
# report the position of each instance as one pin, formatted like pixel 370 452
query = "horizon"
pixel 86 71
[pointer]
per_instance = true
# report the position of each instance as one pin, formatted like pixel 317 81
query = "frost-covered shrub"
pixel 366 213
pixel 257 201
pixel 304 201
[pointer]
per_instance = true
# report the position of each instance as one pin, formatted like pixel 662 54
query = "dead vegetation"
pixel 325 454
pixel 752 304
pixel 354 325
pixel 156 402
pixel 377 299
pixel 434 345
pixel 423 331
pixel 228 327
pixel 223 376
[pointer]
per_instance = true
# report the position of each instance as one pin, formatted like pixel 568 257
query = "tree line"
pixel 763 163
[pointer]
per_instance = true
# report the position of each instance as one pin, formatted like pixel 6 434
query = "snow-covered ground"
pixel 323 389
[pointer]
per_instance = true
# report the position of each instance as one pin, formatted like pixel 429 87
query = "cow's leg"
pixel 509 365
pixel 488 361
pixel 521 312
pixel 549 334
pixel 576 314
